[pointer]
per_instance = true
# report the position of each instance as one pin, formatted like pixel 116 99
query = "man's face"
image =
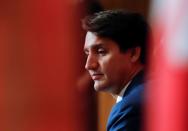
pixel 108 67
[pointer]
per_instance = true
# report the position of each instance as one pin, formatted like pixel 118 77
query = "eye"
pixel 101 51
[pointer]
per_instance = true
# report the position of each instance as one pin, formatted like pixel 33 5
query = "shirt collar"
pixel 120 96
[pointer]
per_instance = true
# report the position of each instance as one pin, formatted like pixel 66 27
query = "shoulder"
pixel 126 114
pixel 135 96
pixel 132 101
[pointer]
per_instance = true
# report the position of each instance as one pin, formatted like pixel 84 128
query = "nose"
pixel 91 63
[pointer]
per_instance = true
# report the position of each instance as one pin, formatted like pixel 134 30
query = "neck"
pixel 130 76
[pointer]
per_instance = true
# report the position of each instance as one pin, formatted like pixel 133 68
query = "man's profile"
pixel 115 47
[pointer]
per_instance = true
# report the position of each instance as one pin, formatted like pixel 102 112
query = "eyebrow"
pixel 96 46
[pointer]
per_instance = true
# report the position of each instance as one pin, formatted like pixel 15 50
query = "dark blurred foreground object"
pixel 39 65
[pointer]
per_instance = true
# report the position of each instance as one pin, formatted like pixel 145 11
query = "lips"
pixel 96 76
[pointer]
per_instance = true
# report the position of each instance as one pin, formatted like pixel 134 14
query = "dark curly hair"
pixel 127 29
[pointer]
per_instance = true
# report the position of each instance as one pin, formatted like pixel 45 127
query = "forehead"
pixel 93 41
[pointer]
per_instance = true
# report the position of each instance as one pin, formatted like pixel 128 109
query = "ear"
pixel 135 54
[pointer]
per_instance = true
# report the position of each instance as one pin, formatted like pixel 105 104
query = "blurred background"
pixel 43 83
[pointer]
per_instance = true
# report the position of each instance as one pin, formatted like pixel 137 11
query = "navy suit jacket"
pixel 126 115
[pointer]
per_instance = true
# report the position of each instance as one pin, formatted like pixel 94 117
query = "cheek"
pixel 111 67
pixel 106 64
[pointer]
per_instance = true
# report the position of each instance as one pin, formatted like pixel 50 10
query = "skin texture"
pixel 110 68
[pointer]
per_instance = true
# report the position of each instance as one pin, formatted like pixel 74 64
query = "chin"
pixel 100 86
